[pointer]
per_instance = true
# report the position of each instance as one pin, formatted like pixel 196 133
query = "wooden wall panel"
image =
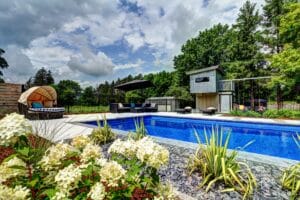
pixel 9 95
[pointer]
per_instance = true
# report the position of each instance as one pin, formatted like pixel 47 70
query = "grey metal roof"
pixel 197 71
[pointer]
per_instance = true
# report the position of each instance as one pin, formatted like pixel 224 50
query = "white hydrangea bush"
pixel 77 170
pixel 13 126
pixel 146 150
pixel 12 168
pixel 16 193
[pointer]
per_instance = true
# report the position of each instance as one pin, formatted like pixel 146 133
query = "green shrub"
pixel 216 164
pixel 283 113
pixel 102 135
pixel 248 113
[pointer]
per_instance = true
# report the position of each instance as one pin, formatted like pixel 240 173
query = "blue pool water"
pixel 268 139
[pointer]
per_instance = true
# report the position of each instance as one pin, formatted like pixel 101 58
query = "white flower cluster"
pixel 80 141
pixel 54 156
pixel 112 173
pixel 90 152
pixel 8 169
pixel 17 193
pixel 12 126
pixel 60 196
pixel 67 178
pixel 97 192
pixel 146 150
pixel 126 148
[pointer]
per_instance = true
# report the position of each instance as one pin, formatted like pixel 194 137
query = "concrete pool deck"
pixel 70 126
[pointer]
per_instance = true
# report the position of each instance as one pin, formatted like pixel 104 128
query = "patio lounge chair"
pixel 209 111
pixel 38 103
pixel 184 110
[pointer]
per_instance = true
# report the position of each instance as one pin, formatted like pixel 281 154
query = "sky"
pixel 93 41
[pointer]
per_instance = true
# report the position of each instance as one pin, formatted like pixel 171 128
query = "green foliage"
pixel 216 164
pixel 3 64
pixel 88 97
pixel 290 25
pixel 68 92
pixel 286 67
pixel 248 113
pixel 140 130
pixel 180 92
pixel 42 77
pixel 133 96
pixel 207 49
pixel 246 59
pixel 87 109
pixel 102 135
pixel 291 180
pixel 283 113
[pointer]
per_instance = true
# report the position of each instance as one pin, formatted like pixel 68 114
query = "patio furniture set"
pixel 132 107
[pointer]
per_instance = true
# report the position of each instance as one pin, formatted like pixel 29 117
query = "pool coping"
pixel 266 159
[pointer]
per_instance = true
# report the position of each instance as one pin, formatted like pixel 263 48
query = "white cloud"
pixel 91 64
pixel 137 64
pixel 20 66
pixel 67 36
pixel 135 40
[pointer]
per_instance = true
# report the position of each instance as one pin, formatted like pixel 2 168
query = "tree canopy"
pixel 3 64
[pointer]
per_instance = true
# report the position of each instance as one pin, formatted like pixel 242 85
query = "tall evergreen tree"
pixel 207 49
pixel 43 77
pixel 273 10
pixel 3 64
pixel 247 60
pixel 49 78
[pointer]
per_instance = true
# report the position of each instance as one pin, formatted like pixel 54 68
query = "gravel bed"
pixel 267 177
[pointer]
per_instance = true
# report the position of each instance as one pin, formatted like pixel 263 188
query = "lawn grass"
pixel 281 114
pixel 86 109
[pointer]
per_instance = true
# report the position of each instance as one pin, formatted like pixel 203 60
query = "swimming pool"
pixel 268 139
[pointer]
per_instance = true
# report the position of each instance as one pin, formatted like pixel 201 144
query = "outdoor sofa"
pixel 39 103
pixel 126 107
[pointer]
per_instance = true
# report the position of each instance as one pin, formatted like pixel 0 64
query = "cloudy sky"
pixel 96 40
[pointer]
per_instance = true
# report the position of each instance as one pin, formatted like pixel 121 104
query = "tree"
pixel 272 9
pixel 180 93
pixel 207 49
pixel 286 64
pixel 290 25
pixel 3 64
pixel 42 77
pixel 246 59
pixel 68 92
pixel 49 78
pixel 88 96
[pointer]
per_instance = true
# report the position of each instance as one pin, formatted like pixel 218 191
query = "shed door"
pixel 225 103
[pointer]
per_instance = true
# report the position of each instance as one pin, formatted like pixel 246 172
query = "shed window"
pixel 202 79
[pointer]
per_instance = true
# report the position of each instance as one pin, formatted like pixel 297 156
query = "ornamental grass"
pixel 217 165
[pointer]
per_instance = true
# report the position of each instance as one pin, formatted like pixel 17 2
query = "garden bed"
pixel 267 176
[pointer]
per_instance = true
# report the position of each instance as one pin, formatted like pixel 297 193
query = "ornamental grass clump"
pixel 140 130
pixel 102 135
pixel 290 179
pixel 216 164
